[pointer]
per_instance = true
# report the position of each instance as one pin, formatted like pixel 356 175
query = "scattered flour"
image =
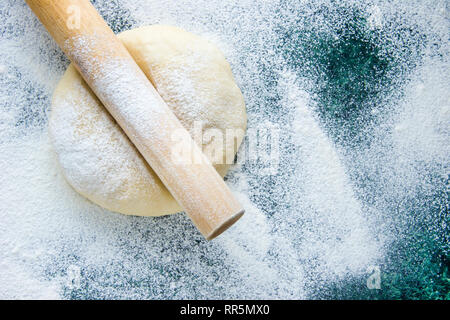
pixel 335 231
pixel 311 227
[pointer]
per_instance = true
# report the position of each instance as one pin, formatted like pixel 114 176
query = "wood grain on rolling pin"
pixel 128 95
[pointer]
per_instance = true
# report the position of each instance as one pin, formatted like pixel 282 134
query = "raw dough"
pixel 97 158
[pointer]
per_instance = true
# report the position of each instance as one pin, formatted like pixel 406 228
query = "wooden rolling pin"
pixel 131 99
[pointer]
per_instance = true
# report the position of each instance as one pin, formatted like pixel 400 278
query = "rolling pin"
pixel 127 94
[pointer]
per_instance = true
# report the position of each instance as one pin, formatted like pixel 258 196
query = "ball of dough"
pixel 98 159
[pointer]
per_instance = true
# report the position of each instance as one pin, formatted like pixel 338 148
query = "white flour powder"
pixel 311 228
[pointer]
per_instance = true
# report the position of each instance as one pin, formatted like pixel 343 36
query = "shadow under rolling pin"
pixel 131 99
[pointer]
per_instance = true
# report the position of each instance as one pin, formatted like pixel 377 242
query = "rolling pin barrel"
pixel 130 98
